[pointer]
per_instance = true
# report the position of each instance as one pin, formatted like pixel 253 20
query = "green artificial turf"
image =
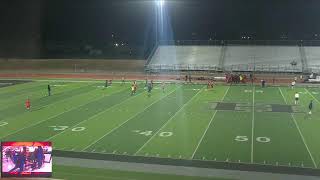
pixel 181 122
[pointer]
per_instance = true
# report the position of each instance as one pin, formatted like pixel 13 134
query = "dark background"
pixel 92 28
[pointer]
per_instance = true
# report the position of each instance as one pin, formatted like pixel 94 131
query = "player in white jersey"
pixel 296 98
pixel 293 84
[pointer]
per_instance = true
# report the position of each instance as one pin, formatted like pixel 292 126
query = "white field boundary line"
pixel 312 95
pixel 95 176
pixel 301 135
pixel 190 100
pixel 205 132
pixel 34 124
pixel 97 140
pixel 98 114
pixel 252 124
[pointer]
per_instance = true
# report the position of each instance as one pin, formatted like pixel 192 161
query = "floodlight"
pixel 160 2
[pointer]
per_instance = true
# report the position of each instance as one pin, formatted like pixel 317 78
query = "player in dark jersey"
pixel 310 107
pixel 149 89
pixel 163 86
pixel 49 90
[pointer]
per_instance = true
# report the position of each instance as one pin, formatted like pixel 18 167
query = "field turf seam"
pixel 96 141
pixel 205 132
pixel 169 120
pixel 97 114
pixel 59 113
pixel 301 135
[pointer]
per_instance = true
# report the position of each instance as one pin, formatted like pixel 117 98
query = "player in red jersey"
pixel 28 104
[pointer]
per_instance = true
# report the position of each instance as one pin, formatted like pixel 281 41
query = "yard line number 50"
pixel 258 139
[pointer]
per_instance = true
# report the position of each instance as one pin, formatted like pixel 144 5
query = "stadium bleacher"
pixel 260 58
pixel 263 58
pixel 313 57
pixel 186 57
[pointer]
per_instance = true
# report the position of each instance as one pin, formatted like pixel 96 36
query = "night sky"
pixel 27 26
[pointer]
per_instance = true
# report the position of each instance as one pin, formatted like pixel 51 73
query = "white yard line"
pixel 168 121
pixel 59 113
pixel 312 95
pixel 94 142
pixel 285 100
pixel 252 128
pixel 205 132
pixel 116 105
pixel 304 141
pixel 301 135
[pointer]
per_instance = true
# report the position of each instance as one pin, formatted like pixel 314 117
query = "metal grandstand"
pixel 238 56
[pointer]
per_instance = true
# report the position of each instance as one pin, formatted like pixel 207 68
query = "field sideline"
pixel 236 124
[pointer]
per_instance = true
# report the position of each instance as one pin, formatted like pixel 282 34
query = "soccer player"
pixel 122 80
pixel 135 86
pixel 106 84
pixel 132 89
pixel 263 83
pixel 310 106
pixel 149 89
pixel 293 83
pixel 49 90
pixel 296 98
pixel 163 85
pixel 28 104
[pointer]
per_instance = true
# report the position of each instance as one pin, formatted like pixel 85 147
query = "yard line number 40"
pixel 258 139
pixel 150 133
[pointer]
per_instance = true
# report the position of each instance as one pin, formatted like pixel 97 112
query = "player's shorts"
pixel 297 99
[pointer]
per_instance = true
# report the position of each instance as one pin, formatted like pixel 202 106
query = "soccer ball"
pixel 310 112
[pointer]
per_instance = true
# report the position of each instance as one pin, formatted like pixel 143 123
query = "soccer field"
pixel 236 124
